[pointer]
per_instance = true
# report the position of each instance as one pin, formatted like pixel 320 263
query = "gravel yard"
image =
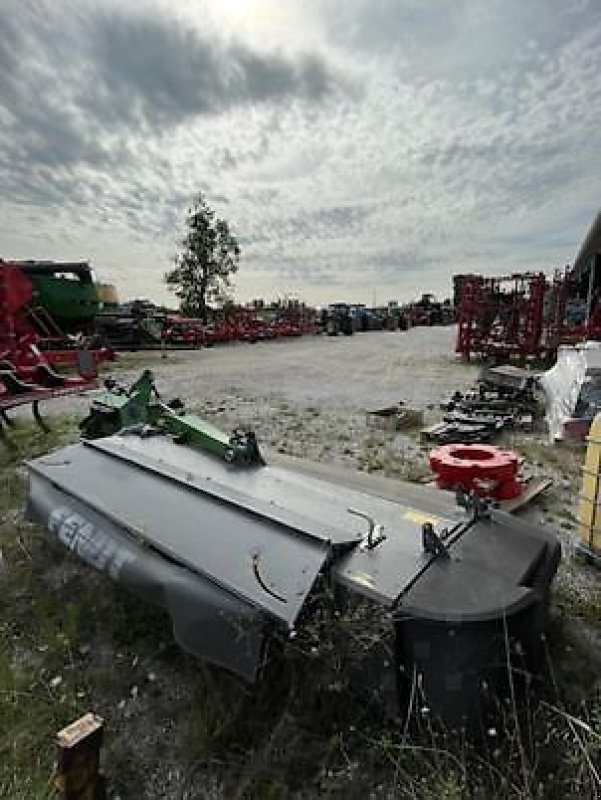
pixel 359 371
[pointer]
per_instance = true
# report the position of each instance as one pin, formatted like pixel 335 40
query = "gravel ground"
pixel 307 397
pixel 365 370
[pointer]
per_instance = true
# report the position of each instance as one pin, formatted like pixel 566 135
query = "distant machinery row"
pixel 57 304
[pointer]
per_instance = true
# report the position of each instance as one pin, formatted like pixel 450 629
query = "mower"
pixel 236 545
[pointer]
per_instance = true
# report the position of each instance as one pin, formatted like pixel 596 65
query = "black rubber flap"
pixel 208 622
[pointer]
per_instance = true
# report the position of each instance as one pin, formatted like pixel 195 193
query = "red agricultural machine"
pixel 234 325
pixel 253 325
pixel 140 327
pixel 31 345
pixel 500 317
pixel 528 314
pixel 27 329
pixel 522 315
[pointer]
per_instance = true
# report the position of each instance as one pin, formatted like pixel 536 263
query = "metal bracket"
pixel 243 448
pixel 375 532
pixel 431 541
pixel 479 506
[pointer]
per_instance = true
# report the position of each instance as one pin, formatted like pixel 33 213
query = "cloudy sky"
pixel 360 148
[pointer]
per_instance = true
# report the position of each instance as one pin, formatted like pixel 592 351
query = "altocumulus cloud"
pixel 77 79
pixel 354 143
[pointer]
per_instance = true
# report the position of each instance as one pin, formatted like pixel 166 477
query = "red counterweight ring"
pixel 487 470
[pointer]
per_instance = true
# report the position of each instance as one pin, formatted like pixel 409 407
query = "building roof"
pixel 590 246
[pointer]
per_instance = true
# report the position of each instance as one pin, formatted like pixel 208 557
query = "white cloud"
pixel 357 144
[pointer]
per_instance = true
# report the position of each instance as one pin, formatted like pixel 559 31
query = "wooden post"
pixel 590 503
pixel 79 744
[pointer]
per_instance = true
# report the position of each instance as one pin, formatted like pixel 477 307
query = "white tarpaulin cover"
pixel 573 386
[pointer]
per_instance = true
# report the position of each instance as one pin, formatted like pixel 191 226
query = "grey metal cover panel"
pixel 500 565
pixel 252 557
pixel 207 622
pixel 303 500
pixel 427 499
pixel 388 570
pixel 270 519
pixel 303 504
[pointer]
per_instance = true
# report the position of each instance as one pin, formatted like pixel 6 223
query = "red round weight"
pixel 483 468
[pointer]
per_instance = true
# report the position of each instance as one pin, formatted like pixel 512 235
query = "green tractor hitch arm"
pixel 140 408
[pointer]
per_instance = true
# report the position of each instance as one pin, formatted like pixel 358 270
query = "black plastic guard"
pixel 207 621
pixel 475 616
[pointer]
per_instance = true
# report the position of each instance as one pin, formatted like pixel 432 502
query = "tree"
pixel 209 257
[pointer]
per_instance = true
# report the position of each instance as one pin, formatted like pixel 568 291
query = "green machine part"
pixel 65 290
pixel 115 407
pixel 65 299
pixel 140 408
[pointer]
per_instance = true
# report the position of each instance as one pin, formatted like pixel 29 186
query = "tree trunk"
pixel 202 296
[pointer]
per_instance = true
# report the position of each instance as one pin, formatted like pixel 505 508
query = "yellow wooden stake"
pixel 590 497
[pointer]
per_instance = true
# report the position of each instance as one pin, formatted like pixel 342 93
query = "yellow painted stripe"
pixel 364 578
pixel 413 515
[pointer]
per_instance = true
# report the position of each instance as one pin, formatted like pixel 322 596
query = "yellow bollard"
pixel 589 517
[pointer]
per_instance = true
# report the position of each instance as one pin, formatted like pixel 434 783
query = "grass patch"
pixel 555 456
pixel 380 457
pixel 25 440
pixel 35 640
pixel 577 605
pixel 72 641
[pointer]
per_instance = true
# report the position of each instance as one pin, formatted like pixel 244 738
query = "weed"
pixel 575 605
pixel 370 463
pixel 567 515
pixel 551 455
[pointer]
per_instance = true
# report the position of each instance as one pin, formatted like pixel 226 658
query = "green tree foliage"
pixel 209 257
